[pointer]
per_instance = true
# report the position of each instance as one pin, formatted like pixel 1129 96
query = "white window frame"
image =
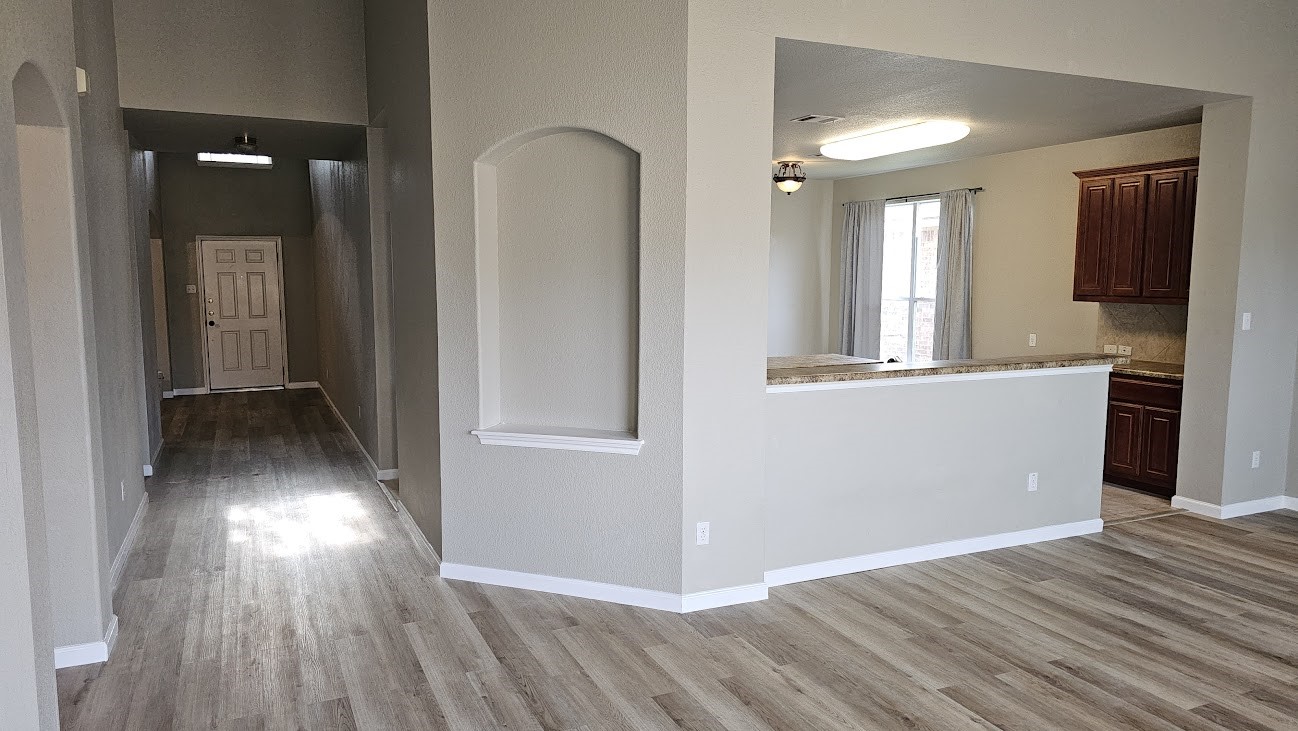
pixel 912 299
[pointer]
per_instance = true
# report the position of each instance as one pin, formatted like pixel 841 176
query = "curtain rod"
pixel 926 195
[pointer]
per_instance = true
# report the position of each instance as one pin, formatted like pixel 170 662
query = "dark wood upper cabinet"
pixel 1093 211
pixel 1135 226
pixel 1125 240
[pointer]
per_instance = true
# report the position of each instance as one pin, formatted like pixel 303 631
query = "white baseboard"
pixel 87 653
pixel 614 593
pixel 569 587
pixel 302 384
pixel 375 472
pixel 871 561
pixel 408 522
pixel 168 394
pixel 1235 510
pixel 723 597
pixel 392 474
pixel 201 391
pixel 148 468
pixel 124 552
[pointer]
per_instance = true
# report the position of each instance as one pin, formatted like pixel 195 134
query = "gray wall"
pixel 564 323
pixel 731 92
pixel 143 184
pixel 113 279
pixel 285 59
pixel 344 303
pixel 397 57
pixel 213 201
pixel 503 69
pixel 40 35
pixel 859 471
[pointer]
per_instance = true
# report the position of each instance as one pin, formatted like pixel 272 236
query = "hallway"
pixel 271 579
pixel 273 586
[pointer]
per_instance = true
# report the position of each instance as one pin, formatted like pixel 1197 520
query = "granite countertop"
pixel 834 372
pixel 814 361
pixel 1150 369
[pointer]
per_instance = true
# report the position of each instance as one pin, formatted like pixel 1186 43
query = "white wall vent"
pixel 817 118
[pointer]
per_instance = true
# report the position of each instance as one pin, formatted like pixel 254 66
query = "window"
pixel 233 160
pixel 909 279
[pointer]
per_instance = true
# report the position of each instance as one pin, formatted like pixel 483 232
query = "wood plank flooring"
pixel 1120 505
pixel 273 587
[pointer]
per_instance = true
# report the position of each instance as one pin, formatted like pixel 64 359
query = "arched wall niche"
pixel 60 422
pixel 25 539
pixel 558 248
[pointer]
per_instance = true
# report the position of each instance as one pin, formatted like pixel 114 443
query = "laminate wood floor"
pixel 273 587
pixel 1121 505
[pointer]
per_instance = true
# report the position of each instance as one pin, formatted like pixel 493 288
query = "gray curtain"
pixel 862 281
pixel 952 317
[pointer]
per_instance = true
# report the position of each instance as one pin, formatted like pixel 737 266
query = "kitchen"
pixel 1078 224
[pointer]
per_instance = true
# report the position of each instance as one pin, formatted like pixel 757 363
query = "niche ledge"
pixel 560 437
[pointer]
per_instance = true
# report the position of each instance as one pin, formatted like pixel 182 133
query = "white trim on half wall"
pixel 1234 510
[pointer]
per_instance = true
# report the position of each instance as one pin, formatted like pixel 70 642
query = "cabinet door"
pixel 1127 242
pixel 1160 439
pixel 1093 210
pixel 1122 450
pixel 1165 236
pixel 1187 239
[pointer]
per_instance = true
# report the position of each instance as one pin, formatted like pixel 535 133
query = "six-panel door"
pixel 241 300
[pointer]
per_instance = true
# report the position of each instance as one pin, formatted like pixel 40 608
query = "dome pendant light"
pixel 790 177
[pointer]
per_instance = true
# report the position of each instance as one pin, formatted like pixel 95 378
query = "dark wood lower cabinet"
pixel 1143 436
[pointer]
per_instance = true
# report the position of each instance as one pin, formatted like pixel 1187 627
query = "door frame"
pixel 202 306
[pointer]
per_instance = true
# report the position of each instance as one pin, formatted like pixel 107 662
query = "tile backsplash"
pixel 1154 332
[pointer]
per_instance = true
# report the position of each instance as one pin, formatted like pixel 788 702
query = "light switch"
pixel 1246 322
pixel 191 289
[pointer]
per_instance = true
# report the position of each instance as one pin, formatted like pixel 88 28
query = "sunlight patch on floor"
pixel 299 525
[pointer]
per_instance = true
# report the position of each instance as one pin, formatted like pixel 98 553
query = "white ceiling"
pixel 188 132
pixel 1007 109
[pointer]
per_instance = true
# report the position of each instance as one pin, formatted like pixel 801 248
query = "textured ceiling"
pixel 1007 109
pixel 187 132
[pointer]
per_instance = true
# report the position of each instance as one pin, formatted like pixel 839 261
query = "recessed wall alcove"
pixel 558 247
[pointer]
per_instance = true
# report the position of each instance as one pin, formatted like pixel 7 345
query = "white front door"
pixel 241 311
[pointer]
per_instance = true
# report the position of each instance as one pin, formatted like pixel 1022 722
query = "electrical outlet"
pixel 1124 350
pixel 123 489
pixel 1032 340
pixel 703 533
pixel 1257 459
pixel 1032 482
pixel 191 289
pixel 1111 349
pixel 1246 322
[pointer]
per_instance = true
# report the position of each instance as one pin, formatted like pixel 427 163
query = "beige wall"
pixel 1025 233
pixel 212 201
pixel 282 59
pixel 858 471
pixel 501 69
pixel 798 319
pixel 344 303
pixel 731 61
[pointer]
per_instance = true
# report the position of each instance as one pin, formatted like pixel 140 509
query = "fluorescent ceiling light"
pixel 897 139
pixel 234 160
